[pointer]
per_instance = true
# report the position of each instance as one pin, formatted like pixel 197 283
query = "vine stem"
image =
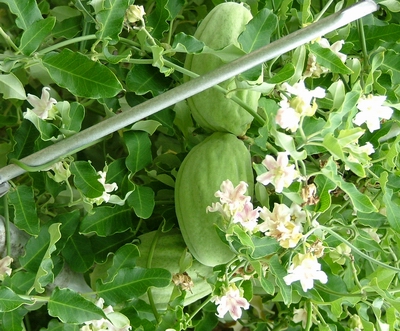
pixel 356 250
pixel 100 130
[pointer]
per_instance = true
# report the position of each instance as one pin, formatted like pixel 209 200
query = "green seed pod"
pixel 219 157
pixel 211 109
pixel 167 254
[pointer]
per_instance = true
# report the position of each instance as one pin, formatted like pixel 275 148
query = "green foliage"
pixel 104 220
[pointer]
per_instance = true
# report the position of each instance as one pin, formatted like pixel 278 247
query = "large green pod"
pixel 168 250
pixel 211 109
pixel 219 157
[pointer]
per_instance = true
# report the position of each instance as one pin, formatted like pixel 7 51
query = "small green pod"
pixel 219 157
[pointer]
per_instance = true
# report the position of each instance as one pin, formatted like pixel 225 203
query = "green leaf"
pixel 86 179
pixel 70 307
pixel 258 31
pixel 11 87
pixel 360 201
pixel 45 274
pixel 125 257
pixel 264 246
pixel 287 143
pixel 106 220
pixel 13 320
pixel 142 201
pixel 25 218
pixel 72 117
pixel 37 32
pixel 324 187
pixel 27 12
pixel 391 66
pixel 10 301
pixel 111 19
pixel 327 58
pixel 81 76
pixel 132 283
pixel 139 148
pixel 145 78
pixel 282 75
pixel 78 253
pixel 24 140
pixel 158 19
pixel 47 130
pixel 392 209
pixel 279 272
pixel 186 44
pixel 174 7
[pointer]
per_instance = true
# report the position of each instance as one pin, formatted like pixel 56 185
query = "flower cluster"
pixel 235 205
pixel 301 104
pixel 283 223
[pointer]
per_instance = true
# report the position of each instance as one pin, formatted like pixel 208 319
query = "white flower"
pixel 304 102
pixel 60 170
pixel 305 268
pixel 5 269
pixel 287 117
pixel 248 217
pixel 114 322
pixel 107 189
pixel 283 224
pixel 300 315
pixel 232 302
pixel 279 173
pixel 371 111
pixel 42 106
pixel 135 13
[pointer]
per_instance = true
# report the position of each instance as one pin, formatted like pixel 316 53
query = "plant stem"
pixel 7 226
pixel 66 43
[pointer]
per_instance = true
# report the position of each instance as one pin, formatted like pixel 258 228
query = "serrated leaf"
pixel 106 220
pixel 11 87
pixel 279 272
pixel 45 274
pixel 27 12
pixel 86 179
pixel 327 58
pixel 139 148
pixel 144 78
pixel 25 218
pixel 71 307
pixel 142 201
pixel 360 201
pixel 78 253
pixel 258 30
pixel 37 32
pixel 80 75
pixel 158 19
pixel 10 300
pixel 125 257
pixel 391 65
pixel 111 19
pixel 132 283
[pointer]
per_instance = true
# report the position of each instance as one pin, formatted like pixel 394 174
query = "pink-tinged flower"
pixel 279 173
pixel 5 269
pixel 233 302
pixel 287 117
pixel 283 224
pixel 42 106
pixel 248 217
pixel 372 111
pixel 231 199
pixel 305 268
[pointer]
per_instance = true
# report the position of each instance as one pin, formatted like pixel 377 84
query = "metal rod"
pixel 98 131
